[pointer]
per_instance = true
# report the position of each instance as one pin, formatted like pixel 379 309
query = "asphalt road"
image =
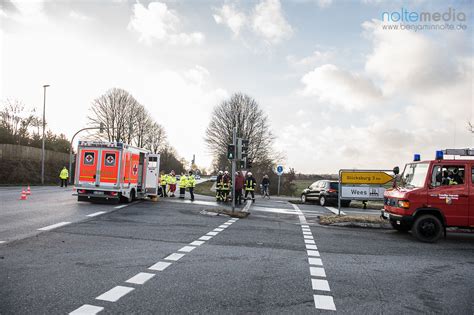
pixel 166 257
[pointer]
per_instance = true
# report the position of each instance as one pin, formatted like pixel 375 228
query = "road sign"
pixel 279 170
pixel 369 178
pixel 362 192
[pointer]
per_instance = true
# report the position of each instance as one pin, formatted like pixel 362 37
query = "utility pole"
pixel 234 142
pixel 44 125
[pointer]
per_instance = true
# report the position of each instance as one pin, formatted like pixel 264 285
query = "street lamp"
pixel 42 145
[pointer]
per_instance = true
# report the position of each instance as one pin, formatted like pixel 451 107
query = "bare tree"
pixel 155 138
pixel 16 120
pixel 470 127
pixel 252 123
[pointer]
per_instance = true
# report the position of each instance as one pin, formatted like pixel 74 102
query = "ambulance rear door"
pixel 87 166
pixel 109 167
pixel 152 174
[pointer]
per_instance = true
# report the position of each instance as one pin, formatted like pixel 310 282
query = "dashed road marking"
pixel 218 230
pixel 223 226
pixel 309 241
pixel 87 309
pixel 120 207
pixel 96 214
pixel 205 238
pixel 212 233
pixel 114 294
pixel 175 257
pixel 317 272
pixel 310 246
pixel 1 242
pixel 315 261
pixel 186 249
pixel 53 226
pixel 197 243
pixel 320 285
pixel 313 253
pixel 307 233
pixel 309 237
pixel 324 302
pixel 160 266
pixel 140 278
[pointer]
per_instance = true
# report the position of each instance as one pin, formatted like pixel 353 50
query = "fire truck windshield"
pixel 414 175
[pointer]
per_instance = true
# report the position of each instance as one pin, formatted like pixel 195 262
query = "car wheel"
pixel 303 198
pixel 322 201
pixel 399 227
pixel 427 228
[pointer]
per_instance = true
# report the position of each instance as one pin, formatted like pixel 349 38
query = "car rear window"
pixel 334 185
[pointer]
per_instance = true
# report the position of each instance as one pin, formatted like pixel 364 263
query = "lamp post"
pixel 44 124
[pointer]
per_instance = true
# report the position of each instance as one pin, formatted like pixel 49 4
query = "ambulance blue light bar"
pixel 416 158
pixel 439 155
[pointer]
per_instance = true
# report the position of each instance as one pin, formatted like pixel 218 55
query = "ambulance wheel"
pixel 427 228
pixel 125 199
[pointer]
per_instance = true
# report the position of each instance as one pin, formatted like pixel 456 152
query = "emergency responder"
pixel 64 176
pixel 163 183
pixel 183 182
pixel 191 183
pixel 172 183
pixel 226 183
pixel 265 186
pixel 239 185
pixel 219 186
pixel 250 183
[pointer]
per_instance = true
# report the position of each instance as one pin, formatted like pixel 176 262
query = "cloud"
pixel 311 60
pixel 158 23
pixel 267 21
pixel 270 23
pixel 27 12
pixel 78 16
pixel 324 3
pixel 339 87
pixel 231 17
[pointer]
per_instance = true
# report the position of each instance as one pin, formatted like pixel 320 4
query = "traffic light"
pixel 249 163
pixel 101 128
pixel 243 163
pixel 231 151
pixel 244 148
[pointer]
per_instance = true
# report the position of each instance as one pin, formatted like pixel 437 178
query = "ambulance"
pixel 115 171
pixel 433 195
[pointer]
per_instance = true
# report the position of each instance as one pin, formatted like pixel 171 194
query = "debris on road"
pixel 354 221
pixel 225 212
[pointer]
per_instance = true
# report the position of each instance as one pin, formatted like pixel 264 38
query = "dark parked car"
pixel 323 191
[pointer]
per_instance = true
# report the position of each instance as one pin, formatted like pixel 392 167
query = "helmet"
pixel 226 172
pixel 249 174
pixel 220 173
pixel 172 172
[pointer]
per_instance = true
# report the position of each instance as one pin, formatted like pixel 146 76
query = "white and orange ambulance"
pixel 115 171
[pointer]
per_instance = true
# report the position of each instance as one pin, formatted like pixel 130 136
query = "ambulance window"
pixel 109 159
pixel 152 161
pixel 89 158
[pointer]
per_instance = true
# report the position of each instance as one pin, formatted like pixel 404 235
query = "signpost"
pixel 279 173
pixel 362 185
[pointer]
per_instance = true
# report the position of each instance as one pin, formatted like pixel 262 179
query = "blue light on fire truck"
pixel 416 158
pixel 439 155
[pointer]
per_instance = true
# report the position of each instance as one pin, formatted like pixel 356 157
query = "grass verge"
pixel 204 188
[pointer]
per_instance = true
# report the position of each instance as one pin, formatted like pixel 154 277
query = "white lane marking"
pixel 309 246
pixel 175 256
pixel 96 214
pixel 212 233
pixel 227 223
pixel 140 278
pixel 50 227
pixel 302 218
pixel 247 206
pixel 120 207
pixel 309 237
pixel 324 302
pixel 313 253
pixel 1 242
pixel 307 233
pixel 186 249
pixel 160 266
pixel 309 242
pixel 197 243
pixel 205 238
pixel 320 285
pixel 335 211
pixel 114 294
pixel 218 230
pixel 305 226
pixel 317 271
pixel 87 309
pixel 315 261
pixel 223 226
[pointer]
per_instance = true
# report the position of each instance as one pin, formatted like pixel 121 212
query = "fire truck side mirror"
pixel 396 170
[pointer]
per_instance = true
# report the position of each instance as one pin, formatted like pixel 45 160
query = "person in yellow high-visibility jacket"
pixel 64 175
pixel 191 184
pixel 183 182
pixel 163 183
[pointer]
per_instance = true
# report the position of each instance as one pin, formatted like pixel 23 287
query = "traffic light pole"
pixel 234 142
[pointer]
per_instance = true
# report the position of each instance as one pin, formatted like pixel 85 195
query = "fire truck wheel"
pixel 427 228
pixel 399 228
pixel 322 201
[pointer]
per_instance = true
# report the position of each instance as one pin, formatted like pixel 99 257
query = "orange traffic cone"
pixel 28 191
pixel 23 195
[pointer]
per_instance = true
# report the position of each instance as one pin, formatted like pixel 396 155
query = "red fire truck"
pixel 433 195
pixel 115 171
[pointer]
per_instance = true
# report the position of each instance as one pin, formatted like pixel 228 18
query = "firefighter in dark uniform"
pixel 219 186
pixel 249 186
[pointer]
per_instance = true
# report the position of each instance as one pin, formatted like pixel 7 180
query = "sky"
pixel 340 89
